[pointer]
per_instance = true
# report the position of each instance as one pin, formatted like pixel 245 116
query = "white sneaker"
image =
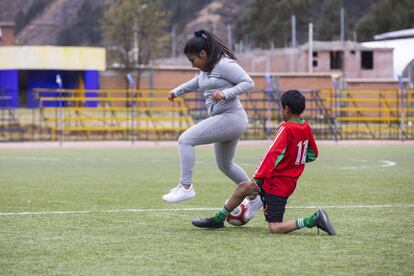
pixel 253 206
pixel 179 193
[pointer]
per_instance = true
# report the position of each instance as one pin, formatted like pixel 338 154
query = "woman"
pixel 222 81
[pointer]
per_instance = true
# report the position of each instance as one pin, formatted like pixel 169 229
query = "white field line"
pixel 199 209
pixel 158 144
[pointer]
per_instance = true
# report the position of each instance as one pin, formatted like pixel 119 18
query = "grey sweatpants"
pixel 224 130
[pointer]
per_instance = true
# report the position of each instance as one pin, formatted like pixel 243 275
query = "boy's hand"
pixel 255 187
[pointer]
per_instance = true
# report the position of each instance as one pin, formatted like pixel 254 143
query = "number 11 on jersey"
pixel 302 150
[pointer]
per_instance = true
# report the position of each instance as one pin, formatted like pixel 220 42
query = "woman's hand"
pixel 218 96
pixel 171 96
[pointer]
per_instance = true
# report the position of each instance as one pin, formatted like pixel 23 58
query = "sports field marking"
pixel 198 209
pixel 387 163
pixel 381 163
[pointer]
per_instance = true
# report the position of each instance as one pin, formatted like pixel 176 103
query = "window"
pixel 336 59
pixel 314 59
pixel 367 59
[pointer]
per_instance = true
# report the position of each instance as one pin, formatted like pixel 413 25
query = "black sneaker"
pixel 207 223
pixel 322 222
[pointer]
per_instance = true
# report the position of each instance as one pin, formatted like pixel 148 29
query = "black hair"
pixel 214 47
pixel 294 100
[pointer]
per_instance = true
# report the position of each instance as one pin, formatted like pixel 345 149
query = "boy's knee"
pixel 275 228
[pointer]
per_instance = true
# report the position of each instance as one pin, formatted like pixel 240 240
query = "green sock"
pixel 221 215
pixel 309 221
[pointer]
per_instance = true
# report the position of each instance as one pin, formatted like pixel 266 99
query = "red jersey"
pixel 285 159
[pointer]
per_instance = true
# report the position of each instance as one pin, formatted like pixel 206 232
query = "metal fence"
pixel 64 114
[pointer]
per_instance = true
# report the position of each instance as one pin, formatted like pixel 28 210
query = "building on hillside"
pixel 350 59
pixel 24 68
pixel 402 42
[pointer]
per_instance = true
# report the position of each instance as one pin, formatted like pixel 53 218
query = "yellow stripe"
pixel 98 99
pixel 116 109
pixel 350 119
pixel 120 129
pixel 50 90
pixel 109 118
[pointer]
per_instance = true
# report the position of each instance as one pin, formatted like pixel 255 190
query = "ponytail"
pixel 214 47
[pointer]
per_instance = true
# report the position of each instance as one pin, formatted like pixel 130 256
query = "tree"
pixel 327 27
pixel 85 30
pixel 269 21
pixel 386 16
pixel 133 31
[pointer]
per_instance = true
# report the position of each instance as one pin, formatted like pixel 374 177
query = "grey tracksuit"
pixel 226 122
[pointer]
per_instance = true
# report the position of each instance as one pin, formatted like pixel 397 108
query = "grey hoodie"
pixel 226 76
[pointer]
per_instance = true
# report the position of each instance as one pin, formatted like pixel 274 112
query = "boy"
pixel 277 174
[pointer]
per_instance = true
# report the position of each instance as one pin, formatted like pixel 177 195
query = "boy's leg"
pixel 274 211
pixel 217 221
pixel 319 219
pixel 281 227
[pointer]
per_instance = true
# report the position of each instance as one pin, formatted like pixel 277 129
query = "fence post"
pixel 334 100
pixel 60 97
pixel 131 88
pixel 268 93
pixel 402 106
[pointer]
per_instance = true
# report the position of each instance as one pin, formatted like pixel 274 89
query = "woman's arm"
pixel 232 71
pixel 191 85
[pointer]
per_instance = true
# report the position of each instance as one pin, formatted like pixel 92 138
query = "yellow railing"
pixel 372 113
pixel 147 114
pixel 136 114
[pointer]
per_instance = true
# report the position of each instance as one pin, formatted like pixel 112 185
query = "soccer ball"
pixel 238 216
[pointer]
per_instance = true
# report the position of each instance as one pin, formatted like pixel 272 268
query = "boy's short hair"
pixel 294 100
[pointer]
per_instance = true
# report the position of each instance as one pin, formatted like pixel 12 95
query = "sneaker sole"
pixel 176 201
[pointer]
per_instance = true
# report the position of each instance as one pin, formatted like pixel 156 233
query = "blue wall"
pixel 91 80
pixel 9 87
pixel 70 80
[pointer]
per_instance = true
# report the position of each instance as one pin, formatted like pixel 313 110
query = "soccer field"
pixel 99 211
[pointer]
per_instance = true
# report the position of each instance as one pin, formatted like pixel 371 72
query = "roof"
pixel 403 52
pixel 336 45
pixel 407 33
pixel 52 58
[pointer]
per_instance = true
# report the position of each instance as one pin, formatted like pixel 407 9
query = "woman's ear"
pixel 203 54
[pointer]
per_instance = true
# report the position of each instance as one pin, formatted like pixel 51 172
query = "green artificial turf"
pixel 99 212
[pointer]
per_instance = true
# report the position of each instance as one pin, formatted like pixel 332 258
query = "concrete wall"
pixel 168 78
